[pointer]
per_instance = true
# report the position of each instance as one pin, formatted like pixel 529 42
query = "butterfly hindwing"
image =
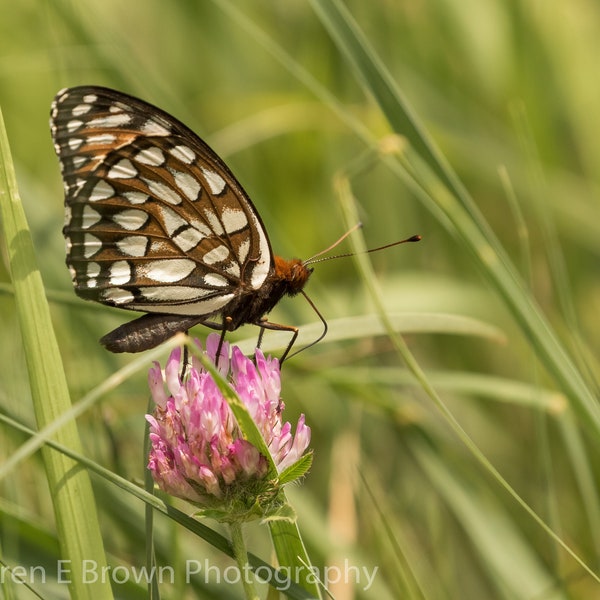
pixel 155 221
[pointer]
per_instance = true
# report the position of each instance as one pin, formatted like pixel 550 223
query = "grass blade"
pixel 74 507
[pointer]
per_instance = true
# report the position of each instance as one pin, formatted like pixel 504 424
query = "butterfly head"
pixel 294 273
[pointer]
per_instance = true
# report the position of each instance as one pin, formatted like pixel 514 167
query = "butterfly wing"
pixel 155 220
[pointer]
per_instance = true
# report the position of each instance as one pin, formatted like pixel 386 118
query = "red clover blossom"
pixel 198 452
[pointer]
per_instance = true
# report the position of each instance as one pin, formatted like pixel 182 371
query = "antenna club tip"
pixel 414 238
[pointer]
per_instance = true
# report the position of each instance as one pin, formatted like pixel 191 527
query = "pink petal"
pixel 157 386
pixel 172 371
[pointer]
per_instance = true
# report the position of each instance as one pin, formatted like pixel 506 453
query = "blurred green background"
pixel 510 92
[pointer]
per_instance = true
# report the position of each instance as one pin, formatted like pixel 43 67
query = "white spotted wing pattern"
pixel 156 222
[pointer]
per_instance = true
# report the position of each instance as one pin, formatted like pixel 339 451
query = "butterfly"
pixel 156 222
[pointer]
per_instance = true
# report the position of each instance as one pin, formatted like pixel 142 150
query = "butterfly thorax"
pixel 287 278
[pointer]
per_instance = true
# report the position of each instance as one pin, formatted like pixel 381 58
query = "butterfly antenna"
pixel 310 260
pixel 315 259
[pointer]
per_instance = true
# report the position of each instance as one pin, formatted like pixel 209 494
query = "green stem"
pixel 241 556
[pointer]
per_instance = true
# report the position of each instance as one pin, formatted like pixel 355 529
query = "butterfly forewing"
pixel 155 221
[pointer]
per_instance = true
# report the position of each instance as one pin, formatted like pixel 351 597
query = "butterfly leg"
pixel 261 334
pixel 185 361
pixel 278 327
pixel 223 327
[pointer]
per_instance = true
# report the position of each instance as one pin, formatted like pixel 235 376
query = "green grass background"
pixel 508 92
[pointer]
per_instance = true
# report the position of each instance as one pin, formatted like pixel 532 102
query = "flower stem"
pixel 241 556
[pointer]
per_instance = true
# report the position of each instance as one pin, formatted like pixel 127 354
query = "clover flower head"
pixel 197 449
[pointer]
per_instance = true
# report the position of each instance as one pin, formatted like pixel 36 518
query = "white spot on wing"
pixel 79 183
pixel 173 293
pixel 90 98
pixel 260 269
pixel 214 222
pixel 117 296
pixel 200 308
pixel 73 125
pixel 216 255
pixel 120 272
pixel 89 217
pixel 243 249
pixel 122 170
pixel 163 192
pixel 234 220
pixel 201 227
pixel 233 268
pixel 102 190
pixel 188 185
pixel 134 245
pixel 152 127
pixel 183 153
pixel 136 197
pixel 119 107
pixel 171 220
pixel 215 182
pixel 75 143
pixel 81 109
pixel 114 120
pixel 151 156
pixel 169 270
pixel 79 161
pixel 131 219
pixel 93 270
pixel 215 280
pixel 188 238
pixel 91 245
pixel 102 138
